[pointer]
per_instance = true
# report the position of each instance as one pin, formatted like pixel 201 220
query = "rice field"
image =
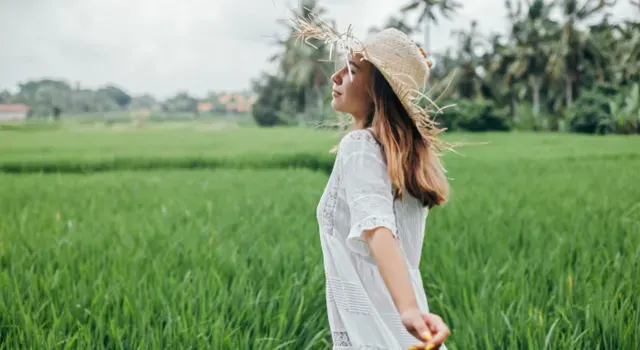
pixel 189 238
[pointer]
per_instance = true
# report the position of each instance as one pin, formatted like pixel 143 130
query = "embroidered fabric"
pixel 341 341
pixel 328 209
pixel 355 240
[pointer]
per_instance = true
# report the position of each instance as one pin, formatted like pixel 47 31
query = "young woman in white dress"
pixel 372 214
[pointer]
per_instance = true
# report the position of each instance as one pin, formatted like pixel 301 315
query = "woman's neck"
pixel 361 122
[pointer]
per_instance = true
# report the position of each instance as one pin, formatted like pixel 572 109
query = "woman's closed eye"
pixel 354 67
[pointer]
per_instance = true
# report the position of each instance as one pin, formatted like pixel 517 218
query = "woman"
pixel 372 213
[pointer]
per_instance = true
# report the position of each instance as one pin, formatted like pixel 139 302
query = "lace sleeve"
pixel 368 189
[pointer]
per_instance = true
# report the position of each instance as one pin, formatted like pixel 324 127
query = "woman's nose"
pixel 336 78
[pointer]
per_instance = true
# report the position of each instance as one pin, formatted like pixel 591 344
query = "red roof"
pixel 205 106
pixel 14 108
pixel 225 98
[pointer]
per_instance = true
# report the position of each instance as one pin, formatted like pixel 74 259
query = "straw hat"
pixel 405 66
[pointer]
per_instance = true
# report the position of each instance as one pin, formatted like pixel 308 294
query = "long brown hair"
pixel 413 165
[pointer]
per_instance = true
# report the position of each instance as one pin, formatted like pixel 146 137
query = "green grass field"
pixel 207 239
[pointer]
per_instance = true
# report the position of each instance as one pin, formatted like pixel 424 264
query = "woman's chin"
pixel 335 104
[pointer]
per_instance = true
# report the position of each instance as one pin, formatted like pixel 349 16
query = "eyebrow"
pixel 354 63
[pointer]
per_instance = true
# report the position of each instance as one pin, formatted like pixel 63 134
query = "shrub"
pixel 625 111
pixel 265 110
pixel 527 120
pixel 473 115
pixel 278 102
pixel 589 113
pixel 606 109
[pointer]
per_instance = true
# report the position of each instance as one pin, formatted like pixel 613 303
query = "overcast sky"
pixel 163 46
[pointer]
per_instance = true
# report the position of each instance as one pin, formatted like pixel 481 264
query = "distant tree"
pixel 265 111
pixel 142 101
pixel 568 53
pixel 57 111
pixel 468 81
pixel 531 44
pixel 278 100
pixel 182 102
pixel 303 66
pixel 115 93
pixel 427 15
pixel 5 97
pixel 396 21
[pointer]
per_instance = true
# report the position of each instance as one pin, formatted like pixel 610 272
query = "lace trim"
pixel 361 135
pixel 328 210
pixel 355 241
pixel 341 340
pixel 372 222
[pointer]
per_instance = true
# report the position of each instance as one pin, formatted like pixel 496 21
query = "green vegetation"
pixel 197 146
pixel 538 247
pixel 160 260
pixel 110 104
pixel 546 67
pixel 185 146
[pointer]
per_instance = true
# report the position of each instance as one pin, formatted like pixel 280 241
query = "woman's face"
pixel 351 93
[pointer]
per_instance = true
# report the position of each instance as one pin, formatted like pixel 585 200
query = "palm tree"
pixel 397 22
pixel 620 48
pixel 496 62
pixel 469 80
pixel 531 37
pixel 569 52
pixel 426 7
pixel 304 66
pixel 628 51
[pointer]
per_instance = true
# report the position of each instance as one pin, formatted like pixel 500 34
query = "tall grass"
pixel 162 260
pixel 539 248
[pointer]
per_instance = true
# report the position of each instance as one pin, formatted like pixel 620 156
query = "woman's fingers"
pixel 440 329
pixel 424 346
pixel 421 331
pixel 430 329
pixel 422 328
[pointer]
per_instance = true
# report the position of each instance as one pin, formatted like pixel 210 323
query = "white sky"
pixel 163 46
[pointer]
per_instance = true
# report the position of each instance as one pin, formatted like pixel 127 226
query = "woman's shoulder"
pixel 360 147
pixel 359 140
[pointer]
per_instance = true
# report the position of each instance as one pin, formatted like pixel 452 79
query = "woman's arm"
pixel 395 273
pixel 384 249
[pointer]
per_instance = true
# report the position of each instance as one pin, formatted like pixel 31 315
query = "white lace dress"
pixel 358 196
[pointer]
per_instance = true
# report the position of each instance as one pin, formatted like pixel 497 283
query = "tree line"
pixel 579 73
pixel 54 98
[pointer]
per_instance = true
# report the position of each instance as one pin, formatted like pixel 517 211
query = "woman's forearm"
pixel 392 267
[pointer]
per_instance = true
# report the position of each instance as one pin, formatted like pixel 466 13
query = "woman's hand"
pixel 426 326
pixel 393 269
